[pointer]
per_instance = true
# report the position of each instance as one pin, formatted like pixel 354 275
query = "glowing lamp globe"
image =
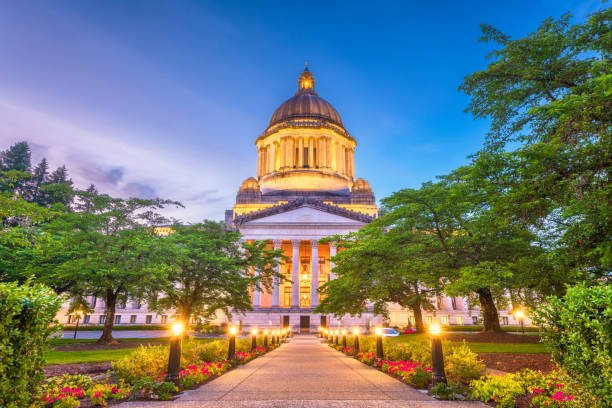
pixel 233 330
pixel 355 332
pixel 254 332
pixel 378 331
pixel 435 329
pixel 177 328
pixel 520 314
pixel 265 332
pixel 344 332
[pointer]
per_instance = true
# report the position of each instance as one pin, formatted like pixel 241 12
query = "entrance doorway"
pixel 304 324
pixel 324 322
pixel 285 322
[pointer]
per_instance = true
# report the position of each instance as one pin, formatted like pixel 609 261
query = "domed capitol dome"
pixel 305 153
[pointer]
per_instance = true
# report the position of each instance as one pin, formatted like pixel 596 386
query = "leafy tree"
pixel 106 247
pixel 207 269
pixel 548 98
pixel 475 251
pixel 377 265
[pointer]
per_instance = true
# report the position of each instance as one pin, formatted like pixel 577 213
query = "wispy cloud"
pixel 121 168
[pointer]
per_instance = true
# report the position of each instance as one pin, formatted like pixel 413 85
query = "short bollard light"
pixel 344 338
pixel 265 334
pixel 174 359
pixel 356 342
pixel 437 358
pixel 253 339
pixel 379 343
pixel 231 352
pixel 337 337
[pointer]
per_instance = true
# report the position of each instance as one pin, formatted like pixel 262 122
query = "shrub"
pixel 148 389
pixel 26 316
pixel 578 329
pixel 145 362
pixel 462 364
pixel 501 390
pixel 452 391
pixel 194 351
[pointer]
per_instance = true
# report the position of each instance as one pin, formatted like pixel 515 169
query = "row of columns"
pixel 338 158
pixel 295 275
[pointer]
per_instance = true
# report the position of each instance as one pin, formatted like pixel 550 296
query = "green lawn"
pixel 481 347
pixel 95 356
pixel 89 356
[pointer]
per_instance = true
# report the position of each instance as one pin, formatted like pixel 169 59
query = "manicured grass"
pixel 96 356
pixel 90 356
pixel 480 347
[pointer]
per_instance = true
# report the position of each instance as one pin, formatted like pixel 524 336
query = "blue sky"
pixel 166 98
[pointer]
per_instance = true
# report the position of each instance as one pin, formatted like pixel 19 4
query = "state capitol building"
pixel 305 189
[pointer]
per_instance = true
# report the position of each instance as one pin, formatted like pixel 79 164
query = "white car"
pixel 386 332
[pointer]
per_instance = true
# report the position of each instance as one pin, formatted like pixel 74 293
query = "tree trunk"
pixel 110 302
pixel 489 311
pixel 418 317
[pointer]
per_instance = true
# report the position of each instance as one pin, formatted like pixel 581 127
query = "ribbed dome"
pixel 306 104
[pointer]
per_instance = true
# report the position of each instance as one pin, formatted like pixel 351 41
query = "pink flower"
pixel 97 394
pixel 115 390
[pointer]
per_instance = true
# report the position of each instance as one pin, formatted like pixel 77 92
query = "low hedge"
pixel 85 327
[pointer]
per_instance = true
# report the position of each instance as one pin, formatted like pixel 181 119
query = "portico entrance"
pixel 304 324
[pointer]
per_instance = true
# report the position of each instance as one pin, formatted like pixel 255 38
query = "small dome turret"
pixel 361 193
pixel 249 192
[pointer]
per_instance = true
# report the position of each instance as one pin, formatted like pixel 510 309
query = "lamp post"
pixel 379 344
pixel 437 358
pixel 253 339
pixel 174 359
pixel 356 342
pixel 337 337
pixel 78 314
pixel 265 334
pixel 344 338
pixel 520 315
pixel 231 352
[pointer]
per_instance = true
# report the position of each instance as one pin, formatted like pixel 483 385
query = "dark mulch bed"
pixel 493 338
pixel 513 362
pixel 88 368
pixel 97 346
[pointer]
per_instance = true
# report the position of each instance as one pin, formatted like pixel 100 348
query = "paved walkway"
pixel 304 373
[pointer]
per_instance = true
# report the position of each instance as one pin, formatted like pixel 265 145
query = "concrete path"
pixel 304 373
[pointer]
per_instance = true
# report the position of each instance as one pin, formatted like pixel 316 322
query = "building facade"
pixel 304 190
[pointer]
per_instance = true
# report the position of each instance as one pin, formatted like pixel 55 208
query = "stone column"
pixel 300 153
pixel 273 167
pixel 332 253
pixel 314 268
pixel 328 154
pixel 275 281
pixel 311 162
pixel 295 274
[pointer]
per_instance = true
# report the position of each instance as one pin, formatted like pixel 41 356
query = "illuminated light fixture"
pixel 344 332
pixel 519 314
pixel 435 329
pixel 355 332
pixel 265 332
pixel 378 331
pixel 178 328
pixel 254 332
pixel 233 330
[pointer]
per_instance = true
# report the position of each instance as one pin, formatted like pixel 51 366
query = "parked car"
pixel 410 330
pixel 387 332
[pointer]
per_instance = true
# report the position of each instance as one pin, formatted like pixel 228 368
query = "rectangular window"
pixel 460 320
pixel 118 319
pixel 164 319
pixel 86 320
pixel 474 319
pixel 137 304
pixel 149 319
pixel 454 303
pixel 132 319
pixel 92 304
pixel 69 319
pixel 314 157
pixel 428 319
pixel 102 319
pixel 444 319
pixel 304 296
pixel 297 154
pixel 287 296
pixel 305 161
pixel 505 320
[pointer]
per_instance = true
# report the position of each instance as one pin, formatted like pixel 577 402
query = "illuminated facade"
pixel 305 190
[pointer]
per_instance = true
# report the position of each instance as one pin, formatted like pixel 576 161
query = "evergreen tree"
pixel 16 157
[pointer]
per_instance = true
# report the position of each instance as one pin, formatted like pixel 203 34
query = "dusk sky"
pixel 166 98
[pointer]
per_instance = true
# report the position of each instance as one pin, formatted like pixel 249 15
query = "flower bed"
pixel 142 376
pixel 526 388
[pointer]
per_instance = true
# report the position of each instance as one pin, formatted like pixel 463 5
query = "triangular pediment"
pixel 304 211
